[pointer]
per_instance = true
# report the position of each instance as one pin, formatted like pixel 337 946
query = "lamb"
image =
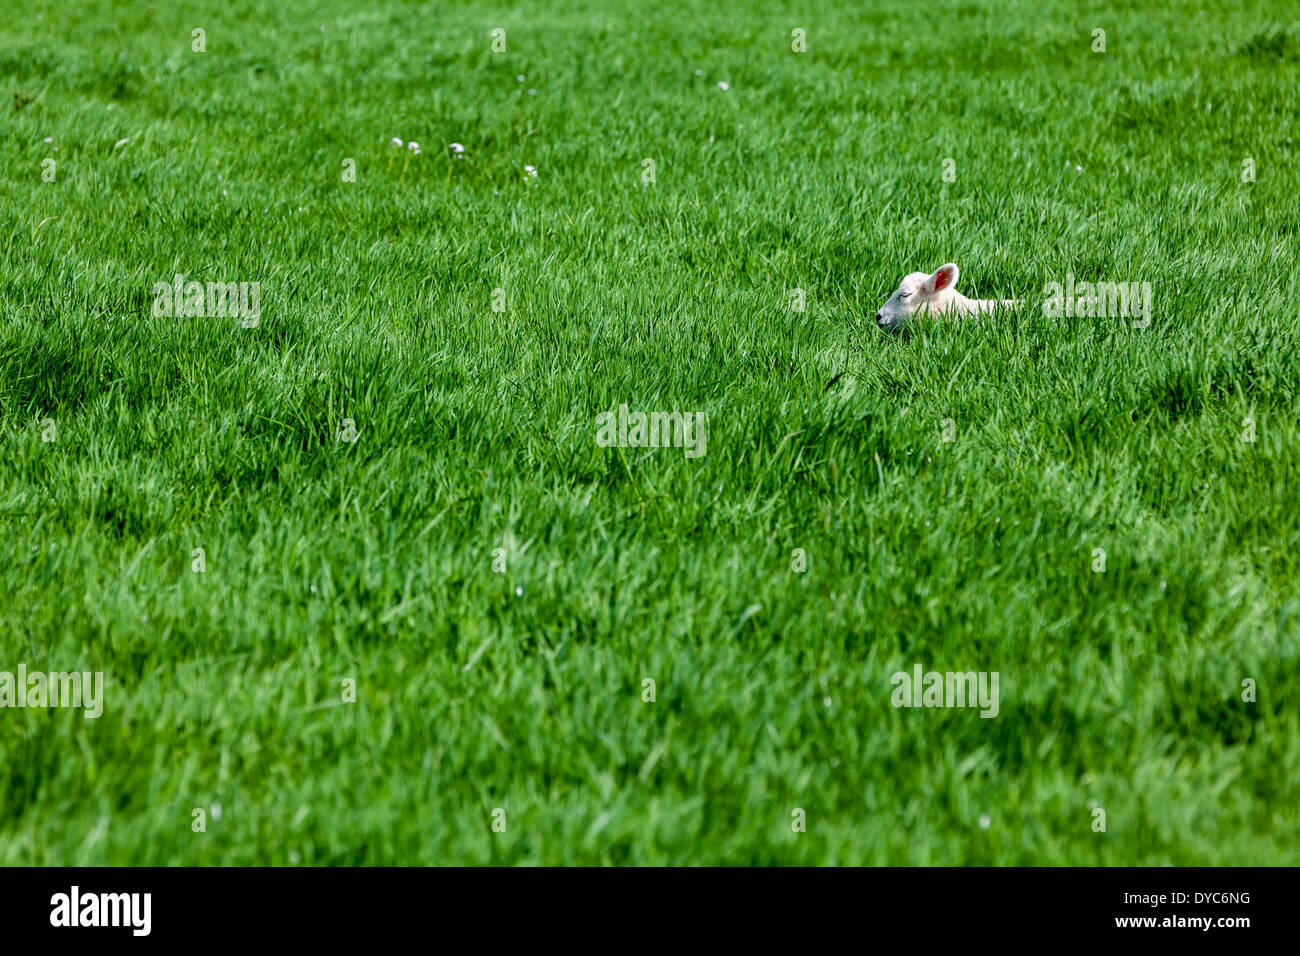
pixel 936 294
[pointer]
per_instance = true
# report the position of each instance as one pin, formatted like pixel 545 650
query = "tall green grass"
pixel 372 562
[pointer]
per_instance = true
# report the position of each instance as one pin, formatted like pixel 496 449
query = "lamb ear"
pixel 944 278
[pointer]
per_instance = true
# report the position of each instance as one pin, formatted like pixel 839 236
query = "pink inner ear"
pixel 942 279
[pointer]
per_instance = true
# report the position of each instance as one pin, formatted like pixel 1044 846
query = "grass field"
pixel 335 568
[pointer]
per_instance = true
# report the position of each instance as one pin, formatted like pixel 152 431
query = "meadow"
pixel 364 586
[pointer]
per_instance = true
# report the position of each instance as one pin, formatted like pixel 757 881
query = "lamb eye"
pixel 904 295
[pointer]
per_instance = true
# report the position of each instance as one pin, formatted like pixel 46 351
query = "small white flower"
pixel 414 147
pixel 530 172
pixel 1078 169
pixel 456 148
pixel 397 143
pixel 699 72
pixel 520 77
pixel 532 92
pixel 519 592
pixel 49 139
pixel 985 822
pixel 724 85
